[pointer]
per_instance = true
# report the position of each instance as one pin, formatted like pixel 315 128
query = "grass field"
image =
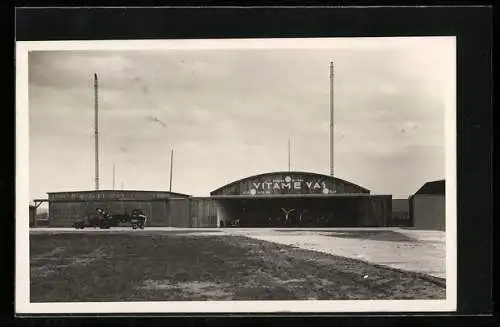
pixel 183 266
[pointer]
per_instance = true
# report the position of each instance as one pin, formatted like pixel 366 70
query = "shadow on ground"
pixel 388 236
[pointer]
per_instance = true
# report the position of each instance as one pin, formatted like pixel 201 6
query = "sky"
pixel 228 113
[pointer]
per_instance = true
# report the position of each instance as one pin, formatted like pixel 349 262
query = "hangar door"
pixel 305 211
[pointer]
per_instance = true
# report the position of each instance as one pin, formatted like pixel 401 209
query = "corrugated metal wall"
pixel 158 214
pixel 175 212
pixel 382 210
pixel 428 211
pixel 203 213
pixel 178 213
pixel 64 214
pixel 375 211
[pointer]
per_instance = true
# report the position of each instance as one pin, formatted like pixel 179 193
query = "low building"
pixel 67 207
pixel 163 209
pixel 428 206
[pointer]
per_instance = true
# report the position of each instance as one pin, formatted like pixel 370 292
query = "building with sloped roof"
pixel 428 206
pixel 65 208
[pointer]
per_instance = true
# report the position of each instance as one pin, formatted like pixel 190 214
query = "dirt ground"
pixel 175 267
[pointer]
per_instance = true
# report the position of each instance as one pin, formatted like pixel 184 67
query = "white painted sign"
pixel 289 185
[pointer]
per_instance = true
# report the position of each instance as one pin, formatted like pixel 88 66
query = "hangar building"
pixel 276 199
pixel 428 206
pixel 162 208
pixel 299 199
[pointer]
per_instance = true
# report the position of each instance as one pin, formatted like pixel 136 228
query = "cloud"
pixel 229 114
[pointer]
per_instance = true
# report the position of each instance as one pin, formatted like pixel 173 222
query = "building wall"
pixel 157 214
pixel 203 213
pixel 175 212
pixel 32 221
pixel 64 214
pixel 375 211
pixel 192 212
pixel 178 213
pixel 428 211
pixel 67 207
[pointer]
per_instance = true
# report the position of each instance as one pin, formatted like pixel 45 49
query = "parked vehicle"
pixel 138 219
pixel 105 220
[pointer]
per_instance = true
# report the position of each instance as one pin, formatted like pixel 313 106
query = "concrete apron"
pixel 426 254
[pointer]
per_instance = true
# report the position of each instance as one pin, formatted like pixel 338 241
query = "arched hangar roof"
pixel 289 182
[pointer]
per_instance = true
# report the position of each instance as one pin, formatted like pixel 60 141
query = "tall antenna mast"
pixel 113 175
pixel 331 117
pixel 288 154
pixel 96 131
pixel 171 167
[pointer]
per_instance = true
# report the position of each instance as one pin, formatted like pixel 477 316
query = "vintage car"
pixel 105 220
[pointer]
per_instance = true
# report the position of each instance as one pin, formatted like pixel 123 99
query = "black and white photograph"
pixel 236 175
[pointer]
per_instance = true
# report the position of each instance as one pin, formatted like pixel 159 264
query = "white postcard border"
pixel 22 284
